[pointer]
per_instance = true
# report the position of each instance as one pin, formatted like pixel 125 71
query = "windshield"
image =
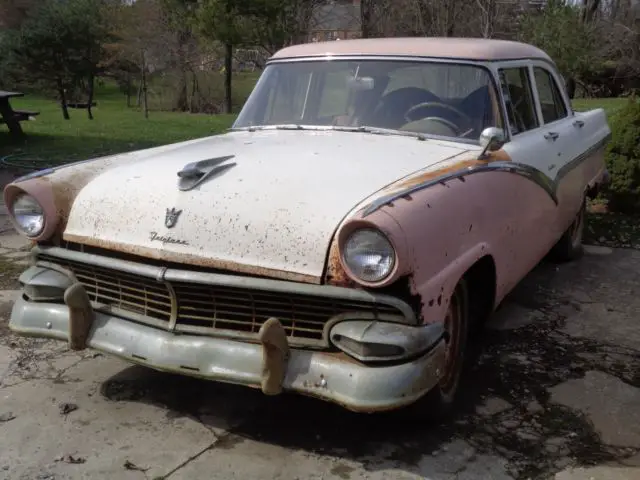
pixel 432 98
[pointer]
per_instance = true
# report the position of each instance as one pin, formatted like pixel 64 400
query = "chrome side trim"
pixel 566 168
pixel 536 176
pixel 161 274
pixel 526 171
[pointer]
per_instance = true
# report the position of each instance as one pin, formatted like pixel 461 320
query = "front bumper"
pixel 329 376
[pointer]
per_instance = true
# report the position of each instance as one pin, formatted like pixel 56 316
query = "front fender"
pixel 451 225
pixel 436 290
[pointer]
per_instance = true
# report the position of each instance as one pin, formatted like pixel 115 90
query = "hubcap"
pixel 452 327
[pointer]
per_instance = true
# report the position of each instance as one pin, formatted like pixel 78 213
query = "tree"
pixel 140 36
pixel 488 16
pixel 59 46
pixel 270 24
pixel 14 12
pixel 91 25
pixel 223 21
pixel 560 31
pixel 589 9
pixel 274 24
pixel 179 19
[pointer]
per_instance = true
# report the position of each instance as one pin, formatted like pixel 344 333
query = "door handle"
pixel 551 136
pixel 578 124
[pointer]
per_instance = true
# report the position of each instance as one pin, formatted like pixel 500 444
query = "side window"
pixel 516 89
pixel 551 103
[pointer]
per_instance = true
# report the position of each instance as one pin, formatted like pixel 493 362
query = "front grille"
pixel 118 291
pixel 211 309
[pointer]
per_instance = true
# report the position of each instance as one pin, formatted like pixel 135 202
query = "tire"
pixel 439 402
pixel 569 247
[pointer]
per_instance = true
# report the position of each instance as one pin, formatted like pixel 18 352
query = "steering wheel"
pixel 515 107
pixel 449 124
pixel 446 106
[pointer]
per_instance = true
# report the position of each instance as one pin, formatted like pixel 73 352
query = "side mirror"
pixel 491 139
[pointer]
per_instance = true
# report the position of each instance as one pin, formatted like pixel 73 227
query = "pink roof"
pixel 440 47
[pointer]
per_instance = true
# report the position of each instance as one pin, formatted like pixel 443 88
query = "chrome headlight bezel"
pixel 25 209
pixel 366 242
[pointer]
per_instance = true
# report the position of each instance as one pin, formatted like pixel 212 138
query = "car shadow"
pixel 506 409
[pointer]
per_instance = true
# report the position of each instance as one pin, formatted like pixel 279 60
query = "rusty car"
pixel 371 206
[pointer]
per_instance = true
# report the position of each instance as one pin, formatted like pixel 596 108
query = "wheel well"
pixel 481 288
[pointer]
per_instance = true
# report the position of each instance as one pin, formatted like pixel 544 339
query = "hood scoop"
pixel 195 173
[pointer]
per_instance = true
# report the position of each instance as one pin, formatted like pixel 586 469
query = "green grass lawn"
pixel 610 105
pixel 114 129
pixel 51 140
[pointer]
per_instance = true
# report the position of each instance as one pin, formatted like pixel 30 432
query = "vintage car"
pixel 373 203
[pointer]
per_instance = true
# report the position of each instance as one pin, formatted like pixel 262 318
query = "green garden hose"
pixel 25 161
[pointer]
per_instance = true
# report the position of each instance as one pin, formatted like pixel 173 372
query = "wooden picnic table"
pixel 11 117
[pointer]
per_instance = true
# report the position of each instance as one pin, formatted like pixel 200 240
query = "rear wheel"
pixel 569 247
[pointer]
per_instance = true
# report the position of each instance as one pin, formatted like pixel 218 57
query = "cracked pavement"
pixel 553 393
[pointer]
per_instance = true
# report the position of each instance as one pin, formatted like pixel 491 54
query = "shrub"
pixel 623 159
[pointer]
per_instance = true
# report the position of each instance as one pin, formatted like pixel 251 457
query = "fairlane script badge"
pixel 171 218
pixel 156 237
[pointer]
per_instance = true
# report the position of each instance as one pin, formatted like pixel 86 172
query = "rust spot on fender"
pixel 189 259
pixel 423 177
pixel 496 156
pixel 336 275
pixel 67 184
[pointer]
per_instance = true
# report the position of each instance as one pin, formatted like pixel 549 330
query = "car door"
pixel 530 208
pixel 561 131
pixel 556 124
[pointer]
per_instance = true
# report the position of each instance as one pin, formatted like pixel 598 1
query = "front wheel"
pixel 569 247
pixel 439 401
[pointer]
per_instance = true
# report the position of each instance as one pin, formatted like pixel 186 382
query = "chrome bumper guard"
pixel 271 364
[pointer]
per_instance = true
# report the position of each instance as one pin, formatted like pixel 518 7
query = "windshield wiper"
pixel 380 131
pixel 287 126
pixel 337 128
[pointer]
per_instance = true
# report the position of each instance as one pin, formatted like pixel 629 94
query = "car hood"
pixel 273 213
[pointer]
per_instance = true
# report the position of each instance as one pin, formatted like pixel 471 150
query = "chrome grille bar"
pixel 218 304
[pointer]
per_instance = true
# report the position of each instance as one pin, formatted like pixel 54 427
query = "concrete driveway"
pixel 554 393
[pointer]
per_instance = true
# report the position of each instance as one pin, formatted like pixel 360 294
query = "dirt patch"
pixel 611 229
pixel 9 273
pixel 5 311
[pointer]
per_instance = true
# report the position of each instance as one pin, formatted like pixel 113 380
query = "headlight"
pixel 28 214
pixel 369 255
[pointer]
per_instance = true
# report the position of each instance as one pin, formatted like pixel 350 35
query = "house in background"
pixel 335 20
